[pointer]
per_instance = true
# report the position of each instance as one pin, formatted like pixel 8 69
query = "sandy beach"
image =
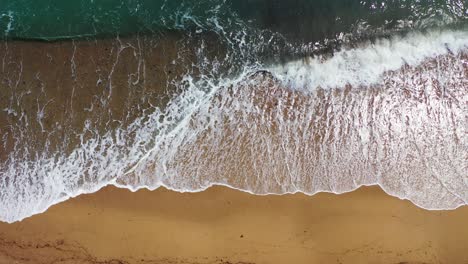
pixel 396 133
pixel 222 225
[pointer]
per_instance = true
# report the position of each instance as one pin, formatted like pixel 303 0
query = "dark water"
pixel 263 96
pixel 301 19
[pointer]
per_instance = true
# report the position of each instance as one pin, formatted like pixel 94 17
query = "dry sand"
pixel 222 225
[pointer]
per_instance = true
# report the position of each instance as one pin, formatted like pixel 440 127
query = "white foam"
pixel 246 134
pixel 366 64
pixel 11 20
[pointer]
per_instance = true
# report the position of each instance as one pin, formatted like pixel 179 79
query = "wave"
pixel 388 113
pixel 365 65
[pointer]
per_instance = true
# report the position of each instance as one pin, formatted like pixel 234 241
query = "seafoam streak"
pixel 398 120
pixel 365 65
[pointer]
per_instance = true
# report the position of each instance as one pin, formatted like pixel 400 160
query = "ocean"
pixel 264 96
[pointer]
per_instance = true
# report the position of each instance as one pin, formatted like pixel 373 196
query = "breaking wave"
pixel 222 107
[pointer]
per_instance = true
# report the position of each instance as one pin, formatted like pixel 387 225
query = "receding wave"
pixel 218 93
pixel 391 113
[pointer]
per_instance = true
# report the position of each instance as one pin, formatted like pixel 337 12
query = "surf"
pixel 264 132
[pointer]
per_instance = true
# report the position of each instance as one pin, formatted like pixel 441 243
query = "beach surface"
pixel 285 108
pixel 222 225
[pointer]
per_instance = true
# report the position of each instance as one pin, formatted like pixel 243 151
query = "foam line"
pixel 404 130
pixel 365 65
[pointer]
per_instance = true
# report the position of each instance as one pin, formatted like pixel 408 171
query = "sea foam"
pixel 402 126
pixel 364 65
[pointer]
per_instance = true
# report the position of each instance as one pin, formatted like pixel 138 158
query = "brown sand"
pixel 222 225
pixel 216 226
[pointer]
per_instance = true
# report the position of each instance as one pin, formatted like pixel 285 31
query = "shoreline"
pixel 230 188
pixel 328 136
pixel 222 225
pixel 157 132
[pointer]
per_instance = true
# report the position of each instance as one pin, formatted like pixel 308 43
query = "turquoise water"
pixel 303 19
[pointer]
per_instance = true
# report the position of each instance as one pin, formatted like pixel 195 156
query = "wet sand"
pixel 219 225
pixel 222 225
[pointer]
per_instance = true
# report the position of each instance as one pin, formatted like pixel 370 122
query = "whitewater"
pixel 390 112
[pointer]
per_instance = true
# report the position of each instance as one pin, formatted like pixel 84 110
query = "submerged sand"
pixel 222 225
pixel 219 225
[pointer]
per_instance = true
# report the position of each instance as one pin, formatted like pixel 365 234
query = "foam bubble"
pixel 263 133
pixel 365 65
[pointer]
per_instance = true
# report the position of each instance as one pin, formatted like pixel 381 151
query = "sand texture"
pixel 222 225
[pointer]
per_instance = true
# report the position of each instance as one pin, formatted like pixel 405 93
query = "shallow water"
pixel 265 98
